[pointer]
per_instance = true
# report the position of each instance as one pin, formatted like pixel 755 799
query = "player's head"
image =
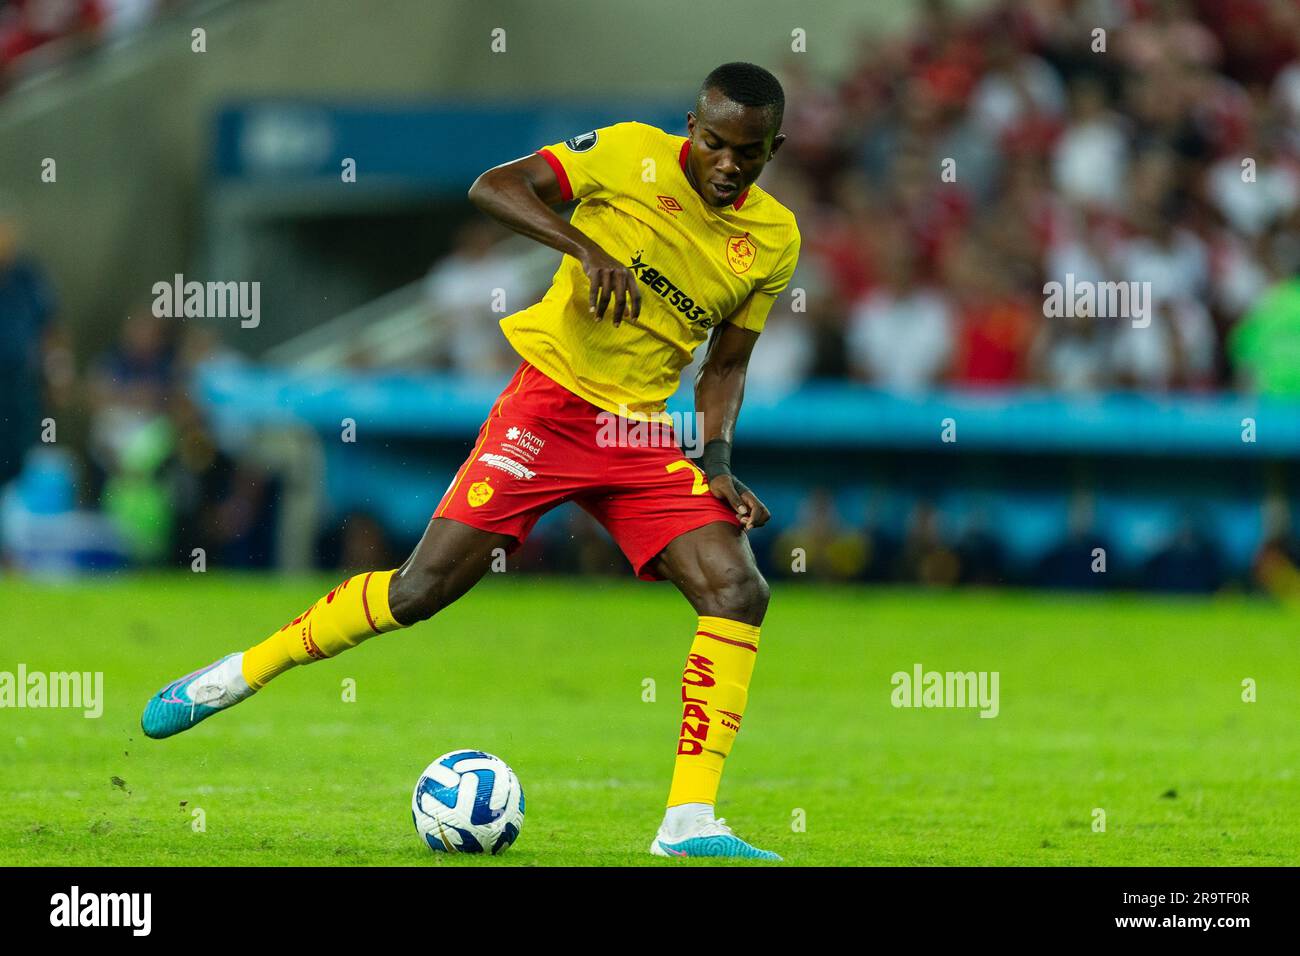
pixel 734 130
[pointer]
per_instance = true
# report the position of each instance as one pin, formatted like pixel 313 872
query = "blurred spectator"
pixel 1081 560
pixel 225 505
pixel 1276 569
pixel 1090 160
pixel 787 356
pixel 820 544
pixel 42 530
pixel 1019 93
pixel 1189 563
pixel 570 541
pixel 1258 36
pixel 995 325
pixel 791 351
pixel 981 554
pixel 1072 353
pixel 27 333
pixel 1177 348
pixel 365 545
pixel 471 289
pixel 130 385
pixel 1167 33
pixel 1265 345
pixel 1171 258
pixel 1251 205
pixel 927 557
pixel 845 241
pixel 813 122
pixel 901 334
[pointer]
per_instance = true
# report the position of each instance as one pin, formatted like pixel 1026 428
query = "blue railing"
pixel 817 414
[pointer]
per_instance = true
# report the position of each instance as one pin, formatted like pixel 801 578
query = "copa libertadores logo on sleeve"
pixel 582 143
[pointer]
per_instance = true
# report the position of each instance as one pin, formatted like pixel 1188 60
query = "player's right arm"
pixel 520 194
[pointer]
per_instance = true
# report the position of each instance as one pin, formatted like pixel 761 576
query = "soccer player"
pixel 671 244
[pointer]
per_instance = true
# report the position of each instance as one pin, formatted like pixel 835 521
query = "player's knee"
pixel 416 596
pixel 739 594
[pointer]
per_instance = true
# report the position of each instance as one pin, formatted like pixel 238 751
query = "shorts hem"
pixel 518 536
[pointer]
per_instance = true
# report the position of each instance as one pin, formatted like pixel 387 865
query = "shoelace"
pixel 716 827
pixel 207 693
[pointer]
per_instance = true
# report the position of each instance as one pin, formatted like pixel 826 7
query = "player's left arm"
pixel 720 387
pixel 719 390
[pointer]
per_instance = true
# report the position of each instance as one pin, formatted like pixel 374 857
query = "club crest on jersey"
pixel 479 493
pixel 740 253
pixel 581 143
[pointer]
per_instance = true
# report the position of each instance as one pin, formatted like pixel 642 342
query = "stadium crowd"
pixel 953 171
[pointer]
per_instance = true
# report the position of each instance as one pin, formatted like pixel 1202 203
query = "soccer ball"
pixel 468 801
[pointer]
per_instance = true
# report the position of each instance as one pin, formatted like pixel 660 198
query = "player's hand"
pixel 751 512
pixel 611 281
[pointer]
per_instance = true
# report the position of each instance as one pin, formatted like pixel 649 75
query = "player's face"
pixel 730 145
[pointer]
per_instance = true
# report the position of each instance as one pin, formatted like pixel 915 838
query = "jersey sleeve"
pixel 593 162
pixel 752 313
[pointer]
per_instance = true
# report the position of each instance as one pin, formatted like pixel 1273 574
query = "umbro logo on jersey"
pixel 582 143
pixel 669 205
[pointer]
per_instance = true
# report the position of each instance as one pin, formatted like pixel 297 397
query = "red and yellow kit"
pixel 547 438
pixel 698 265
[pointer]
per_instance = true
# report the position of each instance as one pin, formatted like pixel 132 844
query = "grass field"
pixel 1131 705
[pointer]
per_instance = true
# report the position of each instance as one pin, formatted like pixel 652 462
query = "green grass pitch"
pixel 1131 705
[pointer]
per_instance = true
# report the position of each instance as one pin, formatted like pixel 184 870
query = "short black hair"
pixel 749 85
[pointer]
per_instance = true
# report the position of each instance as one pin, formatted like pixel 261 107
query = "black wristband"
pixel 716 458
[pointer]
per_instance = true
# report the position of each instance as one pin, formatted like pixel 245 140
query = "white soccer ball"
pixel 468 801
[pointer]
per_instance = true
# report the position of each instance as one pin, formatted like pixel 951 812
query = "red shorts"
pixel 542 446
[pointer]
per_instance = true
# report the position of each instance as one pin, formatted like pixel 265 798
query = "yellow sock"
pixel 353 611
pixel 715 686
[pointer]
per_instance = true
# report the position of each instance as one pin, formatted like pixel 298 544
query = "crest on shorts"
pixel 740 253
pixel 582 142
pixel 479 493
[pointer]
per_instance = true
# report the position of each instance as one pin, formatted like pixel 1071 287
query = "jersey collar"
pixel 681 161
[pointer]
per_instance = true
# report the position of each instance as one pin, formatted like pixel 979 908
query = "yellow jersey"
pixel 697 265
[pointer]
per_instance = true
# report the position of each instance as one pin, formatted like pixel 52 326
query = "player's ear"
pixel 777 140
pixel 690 123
